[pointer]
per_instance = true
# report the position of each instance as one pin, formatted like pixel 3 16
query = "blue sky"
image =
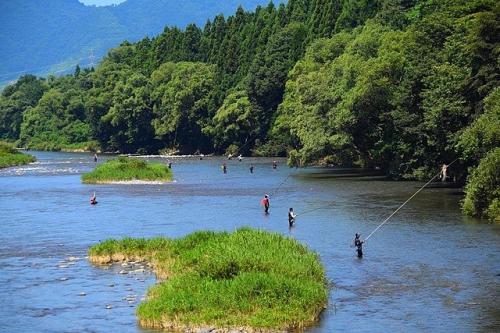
pixel 101 2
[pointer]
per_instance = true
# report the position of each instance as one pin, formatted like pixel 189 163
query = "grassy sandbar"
pixel 248 279
pixel 9 156
pixel 128 170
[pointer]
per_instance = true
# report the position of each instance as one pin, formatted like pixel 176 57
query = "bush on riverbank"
pixel 482 197
pixel 9 156
pixel 248 278
pixel 128 169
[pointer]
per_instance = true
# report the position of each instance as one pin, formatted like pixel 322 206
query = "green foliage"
pixel 483 134
pixel 250 279
pixel 127 169
pixel 482 197
pixel 235 123
pixel 9 156
pixel 181 102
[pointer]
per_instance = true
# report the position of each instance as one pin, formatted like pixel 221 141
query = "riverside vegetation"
pixel 248 279
pixel 397 85
pixel 128 169
pixel 9 156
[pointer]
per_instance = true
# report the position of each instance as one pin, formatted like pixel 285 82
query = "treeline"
pixel 401 85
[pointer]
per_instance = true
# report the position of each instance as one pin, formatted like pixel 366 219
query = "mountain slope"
pixel 43 37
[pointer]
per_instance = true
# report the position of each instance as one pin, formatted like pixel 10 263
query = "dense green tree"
pixel 235 123
pixel 14 100
pixel 482 197
pixel 180 94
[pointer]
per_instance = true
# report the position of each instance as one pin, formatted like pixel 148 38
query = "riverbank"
pixel 128 171
pixel 9 156
pixel 248 279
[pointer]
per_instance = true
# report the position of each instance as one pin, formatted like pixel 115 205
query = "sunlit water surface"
pixel 429 269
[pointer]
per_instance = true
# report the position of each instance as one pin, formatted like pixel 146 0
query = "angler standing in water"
pixel 291 217
pixel 358 243
pixel 93 199
pixel 275 165
pixel 95 158
pixel 224 168
pixel 444 169
pixel 265 203
pixel 251 168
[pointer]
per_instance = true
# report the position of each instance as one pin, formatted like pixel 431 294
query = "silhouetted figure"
pixel 358 243
pixel 251 168
pixel 224 168
pixel 95 158
pixel 265 203
pixel 275 165
pixel 291 217
pixel 170 165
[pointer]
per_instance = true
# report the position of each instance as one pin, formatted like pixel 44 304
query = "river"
pixel 429 269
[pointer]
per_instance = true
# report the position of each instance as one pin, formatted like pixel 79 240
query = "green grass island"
pixel 128 171
pixel 249 280
pixel 9 156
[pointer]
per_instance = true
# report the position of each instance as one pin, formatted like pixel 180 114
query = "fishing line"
pixel 404 203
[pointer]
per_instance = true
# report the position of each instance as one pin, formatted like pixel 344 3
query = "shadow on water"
pixel 428 269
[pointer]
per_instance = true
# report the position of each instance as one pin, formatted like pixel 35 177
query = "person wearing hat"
pixel 359 245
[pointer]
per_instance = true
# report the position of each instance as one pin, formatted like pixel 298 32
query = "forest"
pixel 401 86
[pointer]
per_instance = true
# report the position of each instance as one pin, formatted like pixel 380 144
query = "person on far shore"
pixel 291 217
pixel 358 243
pixel 265 203
pixel 251 168
pixel 95 157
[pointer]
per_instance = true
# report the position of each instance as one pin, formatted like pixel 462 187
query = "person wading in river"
pixel 359 245
pixel 93 199
pixel 251 168
pixel 291 217
pixel 224 168
pixel 265 203
pixel 444 169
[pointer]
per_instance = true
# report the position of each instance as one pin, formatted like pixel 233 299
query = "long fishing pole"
pixel 408 200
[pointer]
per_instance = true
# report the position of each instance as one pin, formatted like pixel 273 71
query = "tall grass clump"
pixel 127 169
pixel 9 156
pixel 248 279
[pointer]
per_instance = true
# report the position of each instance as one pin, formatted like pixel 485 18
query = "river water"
pixel 429 269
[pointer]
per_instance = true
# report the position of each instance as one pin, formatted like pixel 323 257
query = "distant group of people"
pixel 240 158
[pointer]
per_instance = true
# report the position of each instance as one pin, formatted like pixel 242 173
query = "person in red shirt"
pixel 265 203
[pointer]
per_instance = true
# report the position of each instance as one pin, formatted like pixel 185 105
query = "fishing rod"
pixel 408 200
pixel 314 209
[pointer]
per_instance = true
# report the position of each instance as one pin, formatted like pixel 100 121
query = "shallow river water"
pixel 429 269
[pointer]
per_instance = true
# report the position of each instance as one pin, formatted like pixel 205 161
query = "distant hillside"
pixel 43 37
